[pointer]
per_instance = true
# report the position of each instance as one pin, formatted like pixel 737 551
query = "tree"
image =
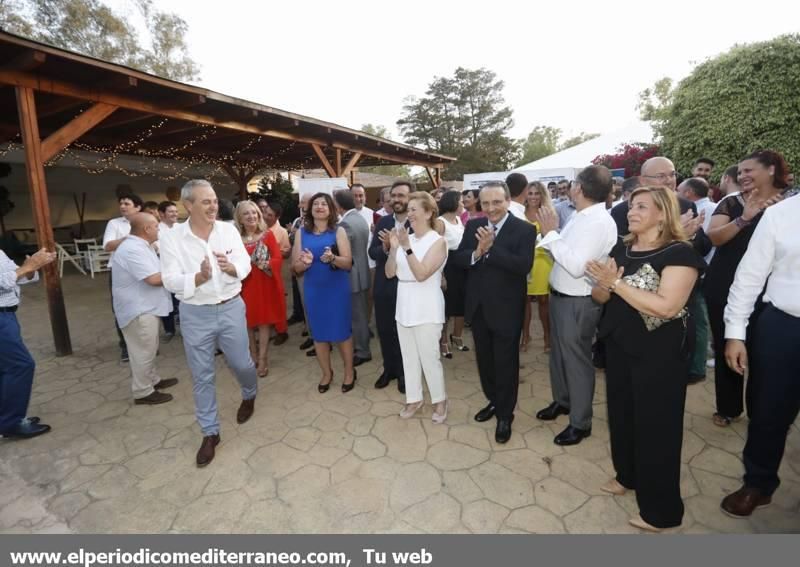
pixel 541 142
pixel 463 116
pixel 280 190
pixel 92 28
pixel 391 170
pixel 735 103
pixel 654 100
pixel 579 139
pixel 629 156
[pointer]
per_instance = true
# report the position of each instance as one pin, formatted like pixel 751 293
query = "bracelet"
pixel 613 286
pixel 741 223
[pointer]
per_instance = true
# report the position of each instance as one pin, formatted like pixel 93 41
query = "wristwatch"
pixel 409 252
pixel 741 223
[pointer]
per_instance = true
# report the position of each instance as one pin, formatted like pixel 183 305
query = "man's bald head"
pixel 659 171
pixel 145 226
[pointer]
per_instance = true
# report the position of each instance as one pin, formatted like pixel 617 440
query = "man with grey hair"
pixel 203 262
pixel 574 315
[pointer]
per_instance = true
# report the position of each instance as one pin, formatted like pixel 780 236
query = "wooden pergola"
pixel 63 98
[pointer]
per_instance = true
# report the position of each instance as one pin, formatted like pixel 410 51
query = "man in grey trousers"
pixel 590 235
pixel 358 233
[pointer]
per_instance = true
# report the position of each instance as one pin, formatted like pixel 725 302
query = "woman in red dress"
pixel 262 290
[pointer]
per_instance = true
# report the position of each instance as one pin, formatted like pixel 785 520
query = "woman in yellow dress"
pixel 538 286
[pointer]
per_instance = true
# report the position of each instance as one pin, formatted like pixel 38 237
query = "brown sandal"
pixel 723 420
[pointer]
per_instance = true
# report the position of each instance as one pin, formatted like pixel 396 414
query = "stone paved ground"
pixel 328 463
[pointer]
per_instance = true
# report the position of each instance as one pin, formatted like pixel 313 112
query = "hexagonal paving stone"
pixel 414 483
pixel 558 497
pixel 535 520
pixel 368 448
pixel 484 517
pixel 503 486
pixel 452 456
pixel 404 438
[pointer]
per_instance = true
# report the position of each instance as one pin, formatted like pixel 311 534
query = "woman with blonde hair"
pixel 538 280
pixel 645 285
pixel 418 260
pixel 262 290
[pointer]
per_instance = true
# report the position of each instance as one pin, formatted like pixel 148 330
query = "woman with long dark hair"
pixel 762 177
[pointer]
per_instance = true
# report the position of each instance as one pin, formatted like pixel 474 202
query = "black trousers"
pixel 728 385
pixel 122 344
pixel 297 302
pixel 775 402
pixel 646 396
pixel 385 306
pixel 169 320
pixel 497 354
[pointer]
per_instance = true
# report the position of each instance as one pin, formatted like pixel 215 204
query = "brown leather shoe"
pixel 740 504
pixel 245 410
pixel 166 383
pixel 206 452
pixel 153 399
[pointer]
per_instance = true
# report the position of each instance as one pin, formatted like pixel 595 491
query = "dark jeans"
pixel 16 373
pixel 169 320
pixel 775 358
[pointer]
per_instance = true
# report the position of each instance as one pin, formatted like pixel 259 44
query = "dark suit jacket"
pixel 701 242
pixel 383 286
pixel 498 281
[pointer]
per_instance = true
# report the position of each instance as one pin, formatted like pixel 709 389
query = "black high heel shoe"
pixel 458 343
pixel 444 350
pixel 322 388
pixel 347 387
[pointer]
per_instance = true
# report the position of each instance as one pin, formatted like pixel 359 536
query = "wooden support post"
pixel 438 177
pixel 338 162
pixel 430 176
pixel 34 167
pixel 241 177
pixel 352 177
pixel 324 160
pixel 348 169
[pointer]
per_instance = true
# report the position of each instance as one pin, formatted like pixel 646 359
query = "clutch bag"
pixel 647 278
pixel 260 256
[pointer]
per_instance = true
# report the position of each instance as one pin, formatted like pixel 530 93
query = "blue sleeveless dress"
pixel 327 292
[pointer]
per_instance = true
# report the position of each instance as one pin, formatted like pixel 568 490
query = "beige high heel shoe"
pixel 410 409
pixel 440 417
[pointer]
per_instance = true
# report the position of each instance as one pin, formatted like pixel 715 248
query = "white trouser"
pixel 419 346
pixel 141 335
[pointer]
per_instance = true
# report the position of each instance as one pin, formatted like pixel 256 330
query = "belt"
pixel 559 294
pixel 11 309
pixel 227 300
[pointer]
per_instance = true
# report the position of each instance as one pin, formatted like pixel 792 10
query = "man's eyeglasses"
pixel 662 176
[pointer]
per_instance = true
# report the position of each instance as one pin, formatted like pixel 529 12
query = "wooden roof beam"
pixel 54 86
pixel 324 160
pixel 26 61
pixel 121 82
pixel 351 164
pixel 74 129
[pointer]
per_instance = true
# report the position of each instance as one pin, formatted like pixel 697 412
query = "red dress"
pixel 263 295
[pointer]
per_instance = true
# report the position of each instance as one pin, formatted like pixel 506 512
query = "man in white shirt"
pixel 17 366
pixel 772 258
pixel 168 215
pixel 116 231
pixel 574 315
pixel 139 301
pixel 517 185
pixel 203 262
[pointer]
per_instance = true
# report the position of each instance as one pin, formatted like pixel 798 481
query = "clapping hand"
pixel 383 236
pixel 327 256
pixel 691 224
pixel 604 273
pixel 40 258
pixel 754 205
pixel 394 240
pixel 485 238
pixel 306 257
pixel 548 220
pixel 402 238
pixel 205 270
pixel 224 264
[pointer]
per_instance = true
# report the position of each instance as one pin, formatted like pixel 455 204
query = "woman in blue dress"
pixel 322 254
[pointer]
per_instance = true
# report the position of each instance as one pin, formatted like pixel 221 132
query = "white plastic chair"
pixel 82 251
pixel 64 256
pixel 98 259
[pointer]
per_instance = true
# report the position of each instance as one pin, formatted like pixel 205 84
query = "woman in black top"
pixel 645 285
pixel 762 176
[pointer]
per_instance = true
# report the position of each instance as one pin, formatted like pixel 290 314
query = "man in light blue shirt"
pixel 140 300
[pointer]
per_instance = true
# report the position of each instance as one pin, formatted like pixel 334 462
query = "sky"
pixel 574 65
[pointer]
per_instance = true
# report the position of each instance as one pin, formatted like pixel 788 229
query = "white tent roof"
pixel 582 155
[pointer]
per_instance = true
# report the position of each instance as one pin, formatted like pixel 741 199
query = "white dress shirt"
pixel 707 206
pixel 517 209
pixel 9 283
pixel 116 228
pixel 132 296
pixel 774 253
pixel 182 253
pixel 590 235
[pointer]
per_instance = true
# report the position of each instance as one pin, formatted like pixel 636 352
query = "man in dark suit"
pixel 385 289
pixel 498 252
pixel 357 231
